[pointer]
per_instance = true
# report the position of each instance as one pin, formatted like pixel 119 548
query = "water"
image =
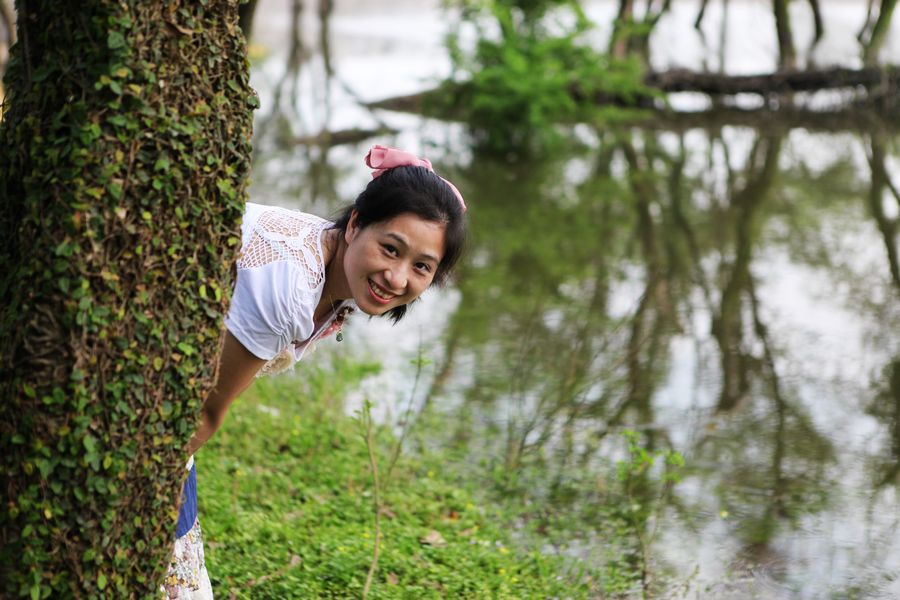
pixel 728 291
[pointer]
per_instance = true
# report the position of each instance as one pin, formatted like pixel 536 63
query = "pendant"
pixel 340 336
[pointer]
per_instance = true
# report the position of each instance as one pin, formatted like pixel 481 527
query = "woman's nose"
pixel 396 277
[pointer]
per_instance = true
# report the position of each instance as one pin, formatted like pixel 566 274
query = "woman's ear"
pixel 352 228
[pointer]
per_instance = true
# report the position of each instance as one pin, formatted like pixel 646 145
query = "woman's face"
pixel 391 263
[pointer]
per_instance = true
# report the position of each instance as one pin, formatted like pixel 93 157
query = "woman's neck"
pixel 335 288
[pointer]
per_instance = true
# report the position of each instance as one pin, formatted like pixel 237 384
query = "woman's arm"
pixel 237 369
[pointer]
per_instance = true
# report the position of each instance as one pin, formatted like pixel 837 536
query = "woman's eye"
pixel 390 249
pixel 424 267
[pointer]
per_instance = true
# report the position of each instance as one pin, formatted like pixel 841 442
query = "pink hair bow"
pixel 382 158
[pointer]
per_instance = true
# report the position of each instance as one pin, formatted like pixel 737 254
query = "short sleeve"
pixel 260 313
pixel 279 280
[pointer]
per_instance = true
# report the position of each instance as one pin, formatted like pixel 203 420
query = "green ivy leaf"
pixel 115 40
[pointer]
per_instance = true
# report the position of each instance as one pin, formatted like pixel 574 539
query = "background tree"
pixel 631 35
pixel 7 36
pixel 875 32
pixel 124 151
pixel 787 56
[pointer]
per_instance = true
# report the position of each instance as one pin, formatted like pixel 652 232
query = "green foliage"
pixel 124 149
pixel 591 512
pixel 289 514
pixel 538 70
pixel 647 477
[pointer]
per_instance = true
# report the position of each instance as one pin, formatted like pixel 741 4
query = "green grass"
pixel 286 506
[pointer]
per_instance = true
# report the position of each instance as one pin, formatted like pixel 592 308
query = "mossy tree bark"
pixel 124 151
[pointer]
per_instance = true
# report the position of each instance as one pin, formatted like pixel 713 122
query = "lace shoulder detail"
pixel 286 235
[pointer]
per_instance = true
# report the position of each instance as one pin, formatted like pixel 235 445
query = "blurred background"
pixel 715 272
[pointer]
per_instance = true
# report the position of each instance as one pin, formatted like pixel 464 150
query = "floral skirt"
pixel 186 578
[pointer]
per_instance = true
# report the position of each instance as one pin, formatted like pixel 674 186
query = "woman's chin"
pixel 372 307
pixel 374 310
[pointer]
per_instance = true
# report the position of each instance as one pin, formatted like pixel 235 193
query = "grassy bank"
pixel 286 505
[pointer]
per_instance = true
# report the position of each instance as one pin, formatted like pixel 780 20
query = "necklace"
pixel 340 332
pixel 339 316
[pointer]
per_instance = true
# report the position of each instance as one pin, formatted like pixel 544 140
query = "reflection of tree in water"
pixel 283 114
pixel 885 405
pixel 540 293
pixel 303 133
pixel 556 365
pixel 556 368
pixel 882 184
pixel 728 328
pixel 776 459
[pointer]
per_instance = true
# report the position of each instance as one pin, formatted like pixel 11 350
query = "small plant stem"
pixel 373 462
pixel 366 417
pixel 398 447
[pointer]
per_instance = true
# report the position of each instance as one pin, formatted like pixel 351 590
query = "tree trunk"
pixel 784 82
pixel 245 17
pixel 881 85
pixel 698 22
pixel 819 27
pixel 7 38
pixel 786 53
pixel 9 21
pixel 879 32
pixel 622 27
pixel 123 157
pixel 867 22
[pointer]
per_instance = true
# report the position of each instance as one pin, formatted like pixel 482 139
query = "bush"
pixel 535 71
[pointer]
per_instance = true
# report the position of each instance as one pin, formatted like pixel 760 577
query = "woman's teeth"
pixel 378 291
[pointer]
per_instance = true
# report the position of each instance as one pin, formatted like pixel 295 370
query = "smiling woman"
pixel 388 265
pixel 300 275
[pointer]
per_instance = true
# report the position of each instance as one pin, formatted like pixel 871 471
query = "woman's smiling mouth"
pixel 379 294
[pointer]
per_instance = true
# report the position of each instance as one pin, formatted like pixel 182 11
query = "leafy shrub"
pixel 532 67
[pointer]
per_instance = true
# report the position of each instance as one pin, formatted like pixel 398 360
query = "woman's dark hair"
pixel 418 191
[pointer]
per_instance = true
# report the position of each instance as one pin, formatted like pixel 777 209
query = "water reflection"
pixel 303 114
pixel 727 288
pixel 881 184
pixel 590 270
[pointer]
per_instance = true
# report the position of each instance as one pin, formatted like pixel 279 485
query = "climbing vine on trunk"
pixel 124 151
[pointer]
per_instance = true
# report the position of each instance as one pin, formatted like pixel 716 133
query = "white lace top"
pixel 280 277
